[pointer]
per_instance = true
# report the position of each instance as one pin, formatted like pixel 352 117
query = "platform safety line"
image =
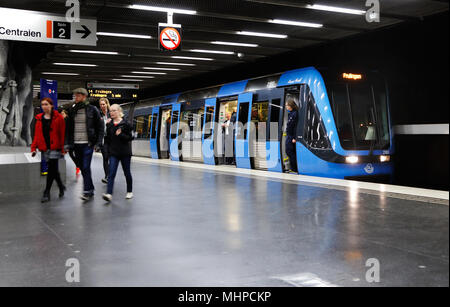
pixel 382 188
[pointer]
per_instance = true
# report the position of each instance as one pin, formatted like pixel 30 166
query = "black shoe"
pixel 45 198
pixel 105 180
pixel 62 190
pixel 87 196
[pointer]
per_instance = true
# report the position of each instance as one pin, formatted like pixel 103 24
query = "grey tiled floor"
pixel 198 228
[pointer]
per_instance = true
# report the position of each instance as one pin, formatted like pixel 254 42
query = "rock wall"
pixel 16 96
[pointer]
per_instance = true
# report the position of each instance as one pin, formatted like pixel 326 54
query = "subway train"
pixel 344 127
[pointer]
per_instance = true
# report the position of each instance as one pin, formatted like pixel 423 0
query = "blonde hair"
pixel 105 100
pixel 119 109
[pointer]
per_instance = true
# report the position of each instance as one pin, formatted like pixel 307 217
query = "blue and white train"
pixel 344 127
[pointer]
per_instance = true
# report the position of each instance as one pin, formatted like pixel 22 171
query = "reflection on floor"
pixel 196 227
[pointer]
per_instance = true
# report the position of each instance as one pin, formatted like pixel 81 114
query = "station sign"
pixel 32 26
pixel 113 90
pixel 169 37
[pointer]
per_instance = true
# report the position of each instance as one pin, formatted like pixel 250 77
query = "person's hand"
pixel 294 141
pixel 33 154
pixel 108 120
pixel 118 131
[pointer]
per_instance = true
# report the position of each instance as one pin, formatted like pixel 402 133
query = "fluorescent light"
pixel 161 68
pixel 95 52
pixel 124 35
pixel 261 34
pixel 179 64
pixel 212 51
pixel 148 73
pixel 75 64
pixel 234 44
pixel 161 9
pixel 192 58
pixel 296 23
pixel 335 9
pixel 352 159
pixel 145 77
pixel 60 73
pixel 136 80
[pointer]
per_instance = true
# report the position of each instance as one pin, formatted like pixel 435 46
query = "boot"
pixel 46 197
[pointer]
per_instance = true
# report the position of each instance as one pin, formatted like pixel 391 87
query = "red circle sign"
pixel 170 38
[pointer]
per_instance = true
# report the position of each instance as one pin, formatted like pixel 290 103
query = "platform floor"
pixel 200 227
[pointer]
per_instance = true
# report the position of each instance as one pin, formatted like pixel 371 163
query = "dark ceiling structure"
pixel 213 34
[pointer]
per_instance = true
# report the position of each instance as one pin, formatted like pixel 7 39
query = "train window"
pixel 260 116
pixel 140 126
pixel 174 127
pixel 275 110
pixel 154 126
pixel 209 121
pixel 243 119
pixel 342 115
pixel 315 133
pixel 149 125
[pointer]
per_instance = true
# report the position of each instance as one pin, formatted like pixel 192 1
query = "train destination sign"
pixel 113 91
pixel 32 26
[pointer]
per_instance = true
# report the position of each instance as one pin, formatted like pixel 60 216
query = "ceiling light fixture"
pixel 148 73
pixel 296 23
pixel 335 9
pixel 95 52
pixel 75 64
pixel 136 80
pixel 124 35
pixel 145 77
pixel 60 73
pixel 161 9
pixel 212 51
pixel 179 64
pixel 191 58
pixel 235 44
pixel 248 33
pixel 161 68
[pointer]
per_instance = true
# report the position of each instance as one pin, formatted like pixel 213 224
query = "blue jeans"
pixel 126 166
pixel 83 155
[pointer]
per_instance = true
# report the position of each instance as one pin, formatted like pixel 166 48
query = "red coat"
pixel 57 133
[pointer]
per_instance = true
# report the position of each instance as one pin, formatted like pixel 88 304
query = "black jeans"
pixel 53 174
pixel 105 156
pixel 291 151
pixel 126 166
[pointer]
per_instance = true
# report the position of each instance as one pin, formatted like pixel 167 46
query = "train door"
pixel 174 145
pixel 191 138
pixel 242 132
pixel 274 131
pixel 225 135
pixel 154 137
pixel 258 134
pixel 208 150
pixel 294 94
pixel 164 132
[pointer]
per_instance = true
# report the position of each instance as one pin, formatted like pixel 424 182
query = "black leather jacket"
pixel 119 145
pixel 94 125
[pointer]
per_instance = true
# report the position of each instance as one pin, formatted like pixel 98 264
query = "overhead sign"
pixel 49 89
pixel 113 90
pixel 31 26
pixel 169 37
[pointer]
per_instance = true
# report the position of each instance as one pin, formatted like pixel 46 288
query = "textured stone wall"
pixel 16 96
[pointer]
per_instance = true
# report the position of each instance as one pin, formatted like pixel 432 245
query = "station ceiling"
pixel 214 27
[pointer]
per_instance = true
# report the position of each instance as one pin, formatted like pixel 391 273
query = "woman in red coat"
pixel 49 139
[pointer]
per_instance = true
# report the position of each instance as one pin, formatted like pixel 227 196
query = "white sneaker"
pixel 129 196
pixel 107 197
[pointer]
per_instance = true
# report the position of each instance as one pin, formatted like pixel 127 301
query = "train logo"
pixel 369 168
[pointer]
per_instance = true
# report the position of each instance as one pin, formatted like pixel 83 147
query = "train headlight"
pixel 385 159
pixel 352 159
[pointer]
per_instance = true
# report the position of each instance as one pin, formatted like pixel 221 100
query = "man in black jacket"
pixel 84 134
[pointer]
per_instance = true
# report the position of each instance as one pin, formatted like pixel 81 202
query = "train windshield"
pixel 360 110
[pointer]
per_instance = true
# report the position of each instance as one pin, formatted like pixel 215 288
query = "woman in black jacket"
pixel 291 131
pixel 118 139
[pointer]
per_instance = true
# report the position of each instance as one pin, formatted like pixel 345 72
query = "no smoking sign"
pixel 170 38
